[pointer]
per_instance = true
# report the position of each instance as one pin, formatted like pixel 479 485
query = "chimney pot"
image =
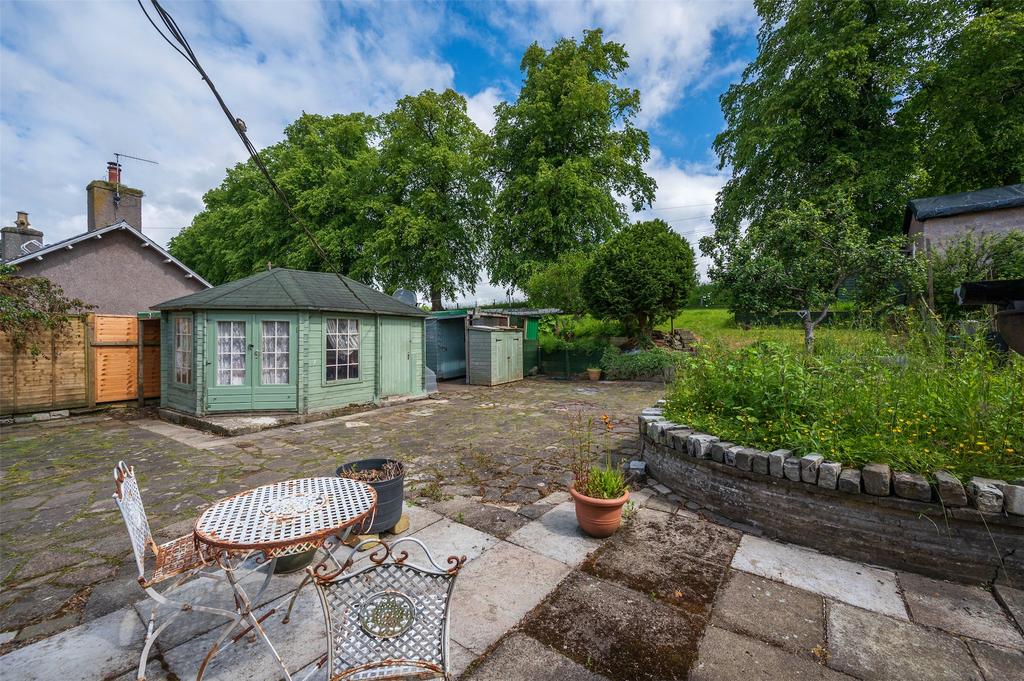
pixel 22 221
pixel 114 172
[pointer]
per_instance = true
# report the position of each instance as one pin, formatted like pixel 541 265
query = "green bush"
pixel 647 364
pixel 926 408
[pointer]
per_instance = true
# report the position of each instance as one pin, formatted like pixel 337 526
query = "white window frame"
pixel 184 349
pixel 353 333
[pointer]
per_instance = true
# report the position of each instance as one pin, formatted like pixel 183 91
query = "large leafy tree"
pixel 428 198
pixel 564 152
pixel 640 276
pixel 967 107
pixel 560 284
pixel 815 109
pixel 321 165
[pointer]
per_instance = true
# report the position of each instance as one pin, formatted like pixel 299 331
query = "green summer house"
pixel 288 340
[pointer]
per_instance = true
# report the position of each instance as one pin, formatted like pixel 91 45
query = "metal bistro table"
pixel 277 520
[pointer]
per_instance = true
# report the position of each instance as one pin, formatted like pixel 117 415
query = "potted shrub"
pixel 387 477
pixel 594 374
pixel 599 491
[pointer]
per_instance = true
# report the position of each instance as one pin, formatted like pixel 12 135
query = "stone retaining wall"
pixel 934 530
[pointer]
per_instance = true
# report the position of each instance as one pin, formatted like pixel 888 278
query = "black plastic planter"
pixel 390 493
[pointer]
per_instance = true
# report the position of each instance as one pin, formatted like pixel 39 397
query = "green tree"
pixel 640 276
pixel 429 198
pixel 798 259
pixel 560 283
pixel 563 152
pixel 967 107
pixel 321 165
pixel 33 306
pixel 815 109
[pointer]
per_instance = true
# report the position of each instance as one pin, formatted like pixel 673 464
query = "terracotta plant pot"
pixel 594 374
pixel 598 517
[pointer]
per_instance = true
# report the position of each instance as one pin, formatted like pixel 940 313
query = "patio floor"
pixel 676 594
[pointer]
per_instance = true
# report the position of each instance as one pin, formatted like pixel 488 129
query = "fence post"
pixel 90 363
pixel 140 376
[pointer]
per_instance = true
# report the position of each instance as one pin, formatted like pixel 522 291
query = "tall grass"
pixel 918 403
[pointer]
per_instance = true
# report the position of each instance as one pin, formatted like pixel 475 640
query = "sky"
pixel 80 81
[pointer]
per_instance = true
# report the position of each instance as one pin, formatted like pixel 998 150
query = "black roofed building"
pixel 288 341
pixel 936 221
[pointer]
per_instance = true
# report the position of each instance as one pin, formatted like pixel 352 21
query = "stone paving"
pixel 64 553
pixel 676 594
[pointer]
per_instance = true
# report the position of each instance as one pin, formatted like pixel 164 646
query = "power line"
pixel 185 50
pixel 689 205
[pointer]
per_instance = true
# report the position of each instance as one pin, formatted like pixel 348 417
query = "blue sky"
pixel 80 81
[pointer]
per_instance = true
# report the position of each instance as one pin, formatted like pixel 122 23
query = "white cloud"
pixel 81 81
pixel 480 107
pixel 685 199
pixel 669 44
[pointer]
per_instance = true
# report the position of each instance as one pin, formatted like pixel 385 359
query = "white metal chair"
pixel 388 620
pixel 176 561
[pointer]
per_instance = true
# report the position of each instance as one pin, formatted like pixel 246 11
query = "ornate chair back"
pixel 388 620
pixel 129 502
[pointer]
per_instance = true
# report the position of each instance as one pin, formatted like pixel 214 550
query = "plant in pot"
pixel 594 373
pixel 387 478
pixel 599 491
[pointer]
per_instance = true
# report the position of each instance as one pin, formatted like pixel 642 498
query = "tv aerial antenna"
pixel 117 160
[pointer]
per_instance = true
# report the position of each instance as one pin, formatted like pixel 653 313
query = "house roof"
pixel 98 234
pixel 285 289
pixel 994 198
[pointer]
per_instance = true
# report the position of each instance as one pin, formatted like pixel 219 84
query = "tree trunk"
pixel 435 299
pixel 808 332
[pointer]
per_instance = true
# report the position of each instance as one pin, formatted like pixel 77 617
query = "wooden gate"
pixel 121 363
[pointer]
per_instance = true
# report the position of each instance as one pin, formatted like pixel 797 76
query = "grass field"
pixel 717 325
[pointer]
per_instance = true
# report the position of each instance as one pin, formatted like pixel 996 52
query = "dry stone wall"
pixel 938 527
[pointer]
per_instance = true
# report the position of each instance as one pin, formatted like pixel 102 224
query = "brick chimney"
pixel 21 234
pixel 110 201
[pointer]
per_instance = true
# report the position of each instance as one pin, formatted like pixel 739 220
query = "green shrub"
pixel 925 408
pixel 647 364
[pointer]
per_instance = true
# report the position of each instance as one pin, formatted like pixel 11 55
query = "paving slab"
pixel 299 643
pixel 679 559
pixel 419 518
pixel 448 538
pixel 557 535
pixel 874 647
pixel 959 609
pixel 1013 600
pixel 105 646
pixel 496 590
pixel 494 520
pixel 866 587
pixel 460 658
pixel 727 656
pixel 790 618
pixel 997 664
pixel 615 631
pixel 520 657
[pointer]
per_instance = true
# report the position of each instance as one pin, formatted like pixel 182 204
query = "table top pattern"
pixel 304 511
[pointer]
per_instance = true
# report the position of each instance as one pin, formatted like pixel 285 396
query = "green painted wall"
pixel 314 392
pixel 322 394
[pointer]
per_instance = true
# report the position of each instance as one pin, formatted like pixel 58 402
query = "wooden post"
pixel 140 374
pixel 53 369
pixel 90 362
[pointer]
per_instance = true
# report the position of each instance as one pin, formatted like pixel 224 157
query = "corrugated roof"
pixel 994 198
pixel 528 311
pixel 285 289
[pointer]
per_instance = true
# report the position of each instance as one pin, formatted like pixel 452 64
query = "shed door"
pixel 253 362
pixel 451 339
pixel 395 357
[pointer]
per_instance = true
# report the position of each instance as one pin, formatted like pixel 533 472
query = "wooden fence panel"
pixel 116 373
pixel 55 379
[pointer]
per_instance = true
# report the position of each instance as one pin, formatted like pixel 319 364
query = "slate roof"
pixel 98 234
pixel 994 198
pixel 285 289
